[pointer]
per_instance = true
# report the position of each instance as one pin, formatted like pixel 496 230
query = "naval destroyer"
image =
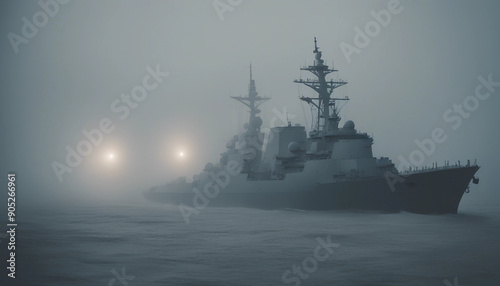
pixel 331 167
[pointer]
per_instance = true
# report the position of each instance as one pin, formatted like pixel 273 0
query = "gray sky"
pixel 65 77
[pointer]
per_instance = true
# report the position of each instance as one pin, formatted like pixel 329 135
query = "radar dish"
pixel 349 124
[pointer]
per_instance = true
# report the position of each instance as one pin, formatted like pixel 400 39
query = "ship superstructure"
pixel 332 167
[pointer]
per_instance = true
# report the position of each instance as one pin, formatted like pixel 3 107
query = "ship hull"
pixel 435 192
pixel 431 192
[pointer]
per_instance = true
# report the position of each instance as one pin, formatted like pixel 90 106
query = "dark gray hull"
pixel 438 191
pixel 431 192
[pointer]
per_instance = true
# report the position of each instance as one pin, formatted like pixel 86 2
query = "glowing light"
pixel 110 157
pixel 181 154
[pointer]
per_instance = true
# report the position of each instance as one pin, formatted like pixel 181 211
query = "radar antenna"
pixel 252 101
pixel 327 112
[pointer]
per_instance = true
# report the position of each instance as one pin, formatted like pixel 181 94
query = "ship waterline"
pixel 429 192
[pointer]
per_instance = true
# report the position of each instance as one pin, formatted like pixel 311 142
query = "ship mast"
pixel 327 112
pixel 252 101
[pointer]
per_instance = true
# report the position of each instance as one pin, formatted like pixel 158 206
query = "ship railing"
pixel 435 167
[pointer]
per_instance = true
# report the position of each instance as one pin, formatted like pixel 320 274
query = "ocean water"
pixel 143 243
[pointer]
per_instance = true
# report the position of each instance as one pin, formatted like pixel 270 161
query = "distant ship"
pixel 330 168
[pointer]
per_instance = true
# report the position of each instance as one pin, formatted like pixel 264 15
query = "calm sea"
pixel 143 243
